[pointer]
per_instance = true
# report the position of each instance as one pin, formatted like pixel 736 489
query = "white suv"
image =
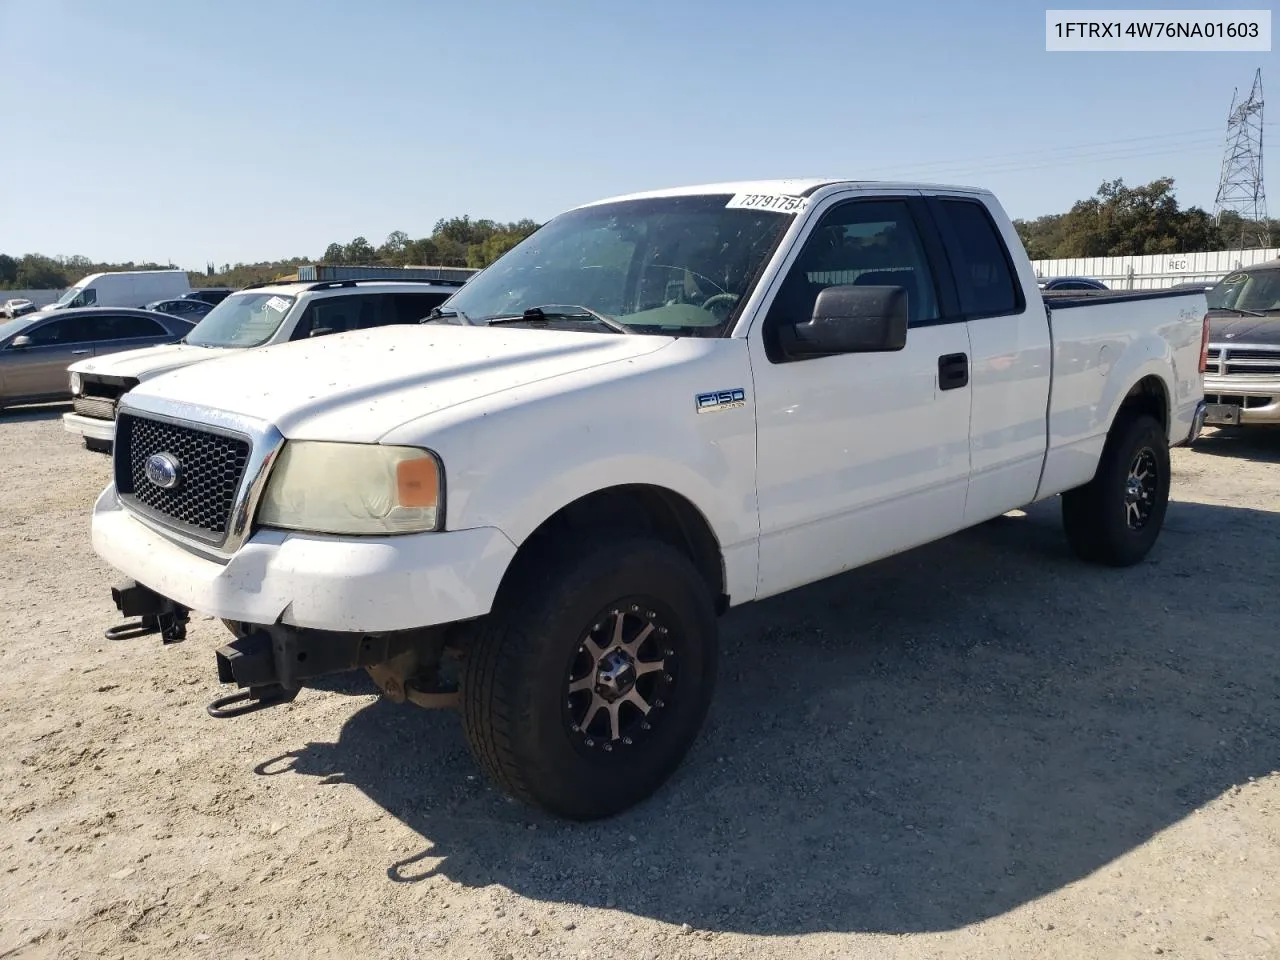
pixel 256 316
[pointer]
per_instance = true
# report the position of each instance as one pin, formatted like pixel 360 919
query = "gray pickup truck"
pixel 1242 376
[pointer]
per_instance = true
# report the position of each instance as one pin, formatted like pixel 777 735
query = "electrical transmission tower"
pixel 1240 188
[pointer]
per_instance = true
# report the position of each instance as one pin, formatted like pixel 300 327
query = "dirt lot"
pixel 978 749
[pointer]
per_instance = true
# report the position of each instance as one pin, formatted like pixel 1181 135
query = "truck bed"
pixel 1118 338
pixel 1067 299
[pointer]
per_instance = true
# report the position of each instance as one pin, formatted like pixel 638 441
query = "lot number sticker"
pixel 780 202
pixel 279 304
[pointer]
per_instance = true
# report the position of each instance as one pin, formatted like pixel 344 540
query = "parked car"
pixel 123 288
pixel 654 409
pixel 210 295
pixel 1242 381
pixel 36 349
pixel 17 307
pixel 257 316
pixel 191 309
pixel 1072 283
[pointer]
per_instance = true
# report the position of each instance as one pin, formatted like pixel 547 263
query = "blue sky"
pixel 232 130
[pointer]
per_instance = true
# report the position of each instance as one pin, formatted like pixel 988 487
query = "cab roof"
pixel 789 187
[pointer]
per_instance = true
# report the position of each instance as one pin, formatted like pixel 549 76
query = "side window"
pixel 129 327
pixel 66 330
pixel 339 314
pixel 983 271
pixel 413 307
pixel 88 297
pixel 861 242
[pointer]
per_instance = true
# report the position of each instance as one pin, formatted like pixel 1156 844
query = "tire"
pixel 550 746
pixel 1105 522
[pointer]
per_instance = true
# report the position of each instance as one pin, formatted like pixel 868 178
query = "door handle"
pixel 76 353
pixel 953 371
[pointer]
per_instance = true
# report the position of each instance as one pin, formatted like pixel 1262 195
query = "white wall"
pixel 1156 271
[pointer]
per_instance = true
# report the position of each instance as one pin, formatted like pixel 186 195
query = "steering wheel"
pixel 728 299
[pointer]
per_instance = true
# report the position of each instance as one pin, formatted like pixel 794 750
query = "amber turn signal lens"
pixel 417 483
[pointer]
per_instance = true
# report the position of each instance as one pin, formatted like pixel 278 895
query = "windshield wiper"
pixel 1243 313
pixel 561 312
pixel 438 314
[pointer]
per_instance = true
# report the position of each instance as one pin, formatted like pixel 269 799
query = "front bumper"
pixel 1236 400
pixel 351 584
pixel 90 428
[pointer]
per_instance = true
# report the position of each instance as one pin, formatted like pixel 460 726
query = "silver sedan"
pixel 36 349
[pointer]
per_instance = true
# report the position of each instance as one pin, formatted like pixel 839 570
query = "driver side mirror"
pixel 851 319
pixel 19 342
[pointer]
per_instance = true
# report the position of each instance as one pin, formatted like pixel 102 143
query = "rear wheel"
pixel 584 689
pixel 1116 517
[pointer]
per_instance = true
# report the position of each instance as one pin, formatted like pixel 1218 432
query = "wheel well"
pixel 1149 396
pixel 635 509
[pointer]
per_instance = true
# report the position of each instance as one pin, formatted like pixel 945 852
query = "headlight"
pixel 353 488
pixel 76 385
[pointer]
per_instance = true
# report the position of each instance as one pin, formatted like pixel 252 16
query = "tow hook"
pixel 153 613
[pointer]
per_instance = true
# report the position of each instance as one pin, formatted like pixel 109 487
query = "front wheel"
pixel 1116 517
pixel 589 682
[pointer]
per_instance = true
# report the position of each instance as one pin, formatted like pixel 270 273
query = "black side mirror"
pixel 851 319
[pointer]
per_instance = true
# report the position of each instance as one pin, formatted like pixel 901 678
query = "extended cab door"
pixel 861 455
pixel 1010 355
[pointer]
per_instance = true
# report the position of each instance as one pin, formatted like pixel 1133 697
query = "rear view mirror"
pixel 851 319
pixel 20 341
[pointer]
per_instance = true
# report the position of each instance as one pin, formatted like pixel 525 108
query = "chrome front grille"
pixel 210 468
pixel 1251 361
pixel 100 408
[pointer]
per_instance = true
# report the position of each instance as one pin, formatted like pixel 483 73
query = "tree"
pixel 1121 221
pixel 334 253
pixel 359 251
pixel 8 270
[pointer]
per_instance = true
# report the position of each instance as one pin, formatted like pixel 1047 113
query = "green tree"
pixel 359 251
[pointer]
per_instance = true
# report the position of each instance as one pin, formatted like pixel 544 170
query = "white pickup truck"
pixel 657 407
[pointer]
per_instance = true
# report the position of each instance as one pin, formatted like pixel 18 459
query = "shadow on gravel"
pixel 921 744
pixel 31 414
pixel 1242 443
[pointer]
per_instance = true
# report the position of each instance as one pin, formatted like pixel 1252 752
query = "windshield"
pixel 71 294
pixel 665 265
pixel 241 320
pixel 9 327
pixel 1256 290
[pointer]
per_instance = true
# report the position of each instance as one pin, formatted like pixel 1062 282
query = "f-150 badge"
pixel 718 400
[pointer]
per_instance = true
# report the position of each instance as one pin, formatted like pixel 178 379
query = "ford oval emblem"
pixel 163 470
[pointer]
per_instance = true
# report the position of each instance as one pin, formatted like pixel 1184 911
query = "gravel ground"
pixel 981 748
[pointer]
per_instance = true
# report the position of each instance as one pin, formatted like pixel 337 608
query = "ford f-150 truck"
pixel 256 316
pixel 534 505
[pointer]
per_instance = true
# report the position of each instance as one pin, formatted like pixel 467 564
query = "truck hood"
pixel 148 362
pixel 1229 328
pixel 357 386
